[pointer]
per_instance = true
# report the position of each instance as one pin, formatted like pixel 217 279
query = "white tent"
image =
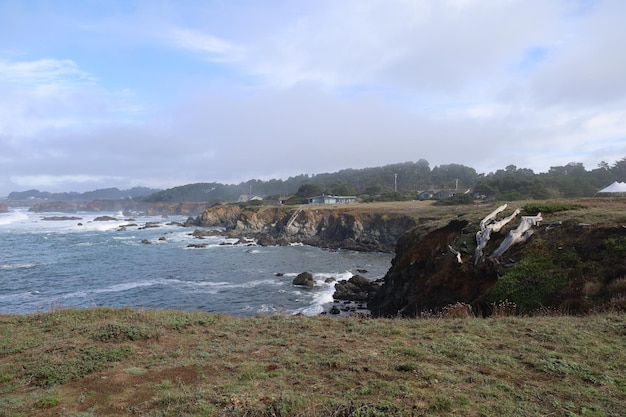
pixel 615 189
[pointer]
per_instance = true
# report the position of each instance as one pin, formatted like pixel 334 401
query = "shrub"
pixel 75 365
pixel 121 332
pixel 407 367
pixel 48 402
pixel 547 208
pixel 535 281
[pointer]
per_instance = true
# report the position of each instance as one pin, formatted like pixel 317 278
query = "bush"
pixel 76 364
pixel 547 208
pixel 534 281
pixel 121 332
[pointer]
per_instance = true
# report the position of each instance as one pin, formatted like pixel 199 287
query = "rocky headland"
pixel 566 256
pixel 351 227
pixel 572 261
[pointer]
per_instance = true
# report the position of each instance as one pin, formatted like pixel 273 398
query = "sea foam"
pixel 12 217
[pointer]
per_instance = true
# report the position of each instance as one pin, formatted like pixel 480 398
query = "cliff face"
pixel 425 276
pixel 324 227
pixel 573 261
pixel 567 267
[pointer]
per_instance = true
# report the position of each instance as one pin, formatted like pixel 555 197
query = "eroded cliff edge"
pixel 574 262
pixel 333 228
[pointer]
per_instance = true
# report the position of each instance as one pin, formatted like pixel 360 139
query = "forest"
pixel 405 181
pixel 394 182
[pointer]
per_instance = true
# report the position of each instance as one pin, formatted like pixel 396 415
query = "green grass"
pixel 535 281
pixel 549 207
pixel 210 365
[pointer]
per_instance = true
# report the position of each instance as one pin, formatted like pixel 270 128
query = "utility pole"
pixel 395 183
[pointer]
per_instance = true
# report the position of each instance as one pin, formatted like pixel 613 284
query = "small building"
pixel 426 195
pixel 438 194
pixel 244 198
pixel 445 193
pixel 331 199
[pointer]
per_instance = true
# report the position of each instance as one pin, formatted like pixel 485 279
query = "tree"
pixel 309 190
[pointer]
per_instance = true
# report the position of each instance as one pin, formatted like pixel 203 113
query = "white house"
pixel 331 199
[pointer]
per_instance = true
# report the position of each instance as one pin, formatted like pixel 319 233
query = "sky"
pixel 161 93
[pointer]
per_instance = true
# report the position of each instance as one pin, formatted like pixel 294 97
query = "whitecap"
pixel 16 266
pixel 126 286
pixel 266 309
pixel 230 285
pixel 323 292
pixel 312 310
pixel 124 237
pixel 12 217
pixel 11 298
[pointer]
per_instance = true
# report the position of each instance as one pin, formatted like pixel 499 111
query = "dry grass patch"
pixel 211 365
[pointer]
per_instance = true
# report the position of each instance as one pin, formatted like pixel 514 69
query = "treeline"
pixel 405 181
pixel 101 194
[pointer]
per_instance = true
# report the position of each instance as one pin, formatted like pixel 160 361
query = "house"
pixel 426 195
pixel 445 193
pixel 331 199
pixel 440 193
pixel 244 198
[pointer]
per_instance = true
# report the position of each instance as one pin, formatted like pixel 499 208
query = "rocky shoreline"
pixel 331 228
pixel 562 264
pixel 572 260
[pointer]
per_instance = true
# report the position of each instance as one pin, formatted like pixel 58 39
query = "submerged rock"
pixel 104 219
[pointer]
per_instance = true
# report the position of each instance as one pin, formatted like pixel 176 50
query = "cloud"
pixel 51 73
pixel 51 94
pixel 180 93
pixel 214 48
pixel 423 46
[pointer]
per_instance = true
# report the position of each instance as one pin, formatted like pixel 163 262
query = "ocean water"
pixel 82 263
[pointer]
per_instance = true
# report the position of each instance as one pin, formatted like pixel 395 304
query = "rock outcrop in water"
pixel 323 227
